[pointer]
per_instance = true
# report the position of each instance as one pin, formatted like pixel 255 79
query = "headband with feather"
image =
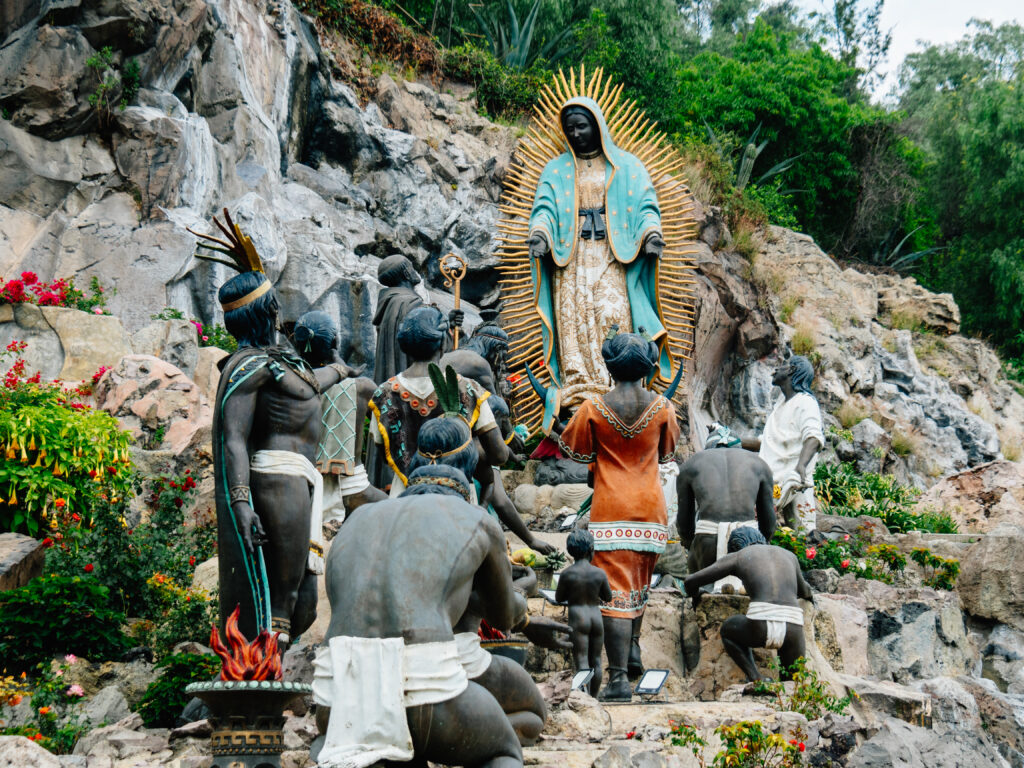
pixel 446 387
pixel 243 255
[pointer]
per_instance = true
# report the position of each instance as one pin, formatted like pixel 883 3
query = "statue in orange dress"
pixel 625 435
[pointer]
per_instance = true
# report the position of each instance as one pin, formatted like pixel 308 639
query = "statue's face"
pixel 782 374
pixel 581 131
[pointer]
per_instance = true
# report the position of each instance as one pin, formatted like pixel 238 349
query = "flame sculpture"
pixel 258 660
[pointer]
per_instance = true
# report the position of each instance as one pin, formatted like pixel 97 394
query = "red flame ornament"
pixel 242 660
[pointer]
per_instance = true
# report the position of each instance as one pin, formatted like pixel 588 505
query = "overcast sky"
pixel 934 21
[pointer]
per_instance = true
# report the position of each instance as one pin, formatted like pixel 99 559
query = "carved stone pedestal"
pixel 247 720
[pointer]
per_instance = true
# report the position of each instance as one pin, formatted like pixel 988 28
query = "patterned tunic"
pixel 628 515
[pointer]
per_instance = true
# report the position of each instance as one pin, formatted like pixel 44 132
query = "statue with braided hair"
pixel 625 435
pixel 403 403
pixel 266 427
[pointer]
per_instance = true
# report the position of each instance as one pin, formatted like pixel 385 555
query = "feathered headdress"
pixel 446 387
pixel 244 257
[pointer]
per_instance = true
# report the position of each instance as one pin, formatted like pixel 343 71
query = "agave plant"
pixel 745 164
pixel 512 42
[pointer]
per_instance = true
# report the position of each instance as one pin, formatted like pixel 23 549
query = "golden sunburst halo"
pixel 634 132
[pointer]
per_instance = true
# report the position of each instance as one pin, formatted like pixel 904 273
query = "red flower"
pixel 801 746
pixel 192 560
pixel 845 564
pixel 76 517
pixel 811 553
pixel 93 473
pixel 112 470
pixel 29 278
pixel 631 734
pixel 47 542
pixel 89 568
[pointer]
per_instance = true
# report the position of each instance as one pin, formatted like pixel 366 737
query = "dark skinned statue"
pixel 477 359
pixel 585 588
pixel 791 440
pixel 444 443
pixel 345 407
pixel 595 238
pixel 772 578
pixel 726 488
pixel 402 292
pixel 391 684
pixel 266 428
pixel 402 404
pixel 625 435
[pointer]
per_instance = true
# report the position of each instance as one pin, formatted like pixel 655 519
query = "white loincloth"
pixel 297 465
pixel 368 682
pixel 723 531
pixel 337 487
pixel 667 475
pixel 776 617
pixel 474 659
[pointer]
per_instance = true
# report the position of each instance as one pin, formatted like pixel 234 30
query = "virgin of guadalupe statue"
pixel 595 236
pixel 595 240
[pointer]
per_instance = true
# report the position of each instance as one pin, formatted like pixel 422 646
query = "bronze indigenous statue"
pixel 585 587
pixel 403 291
pixel 791 440
pixel 345 407
pixel 266 427
pixel 625 434
pixel 444 442
pixel 772 578
pixel 721 489
pixel 404 402
pixel 391 674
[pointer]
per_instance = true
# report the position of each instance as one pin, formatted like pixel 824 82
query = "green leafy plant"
pixel 941 572
pixel 500 91
pixel 62 457
pixel 745 745
pixel 125 558
pixel 512 42
pixel 848 554
pixel 55 615
pixel 182 613
pixel 29 289
pixel 810 696
pixel 165 697
pixel 844 491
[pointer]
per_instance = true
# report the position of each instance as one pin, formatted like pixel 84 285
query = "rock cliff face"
pixel 238 107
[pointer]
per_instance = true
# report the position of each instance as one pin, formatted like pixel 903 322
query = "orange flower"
pixel 60 503
pixel 44 710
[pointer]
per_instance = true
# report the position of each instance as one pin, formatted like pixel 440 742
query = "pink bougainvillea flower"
pixel 76 690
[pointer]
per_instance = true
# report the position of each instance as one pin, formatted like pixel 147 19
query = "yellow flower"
pixel 776 492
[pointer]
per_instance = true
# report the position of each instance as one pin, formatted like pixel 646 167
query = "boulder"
pixel 64 343
pixel 841 629
pixel 158 403
pixel 913 633
pixel 207 372
pixel 980 498
pixel 173 341
pixel 580 718
pixel 21 560
pixel 991 585
pixel 107 706
pixel 24 753
pixel 899 743
pixel 1003 661
pixel 1001 716
pixel 930 311
pixel 660 637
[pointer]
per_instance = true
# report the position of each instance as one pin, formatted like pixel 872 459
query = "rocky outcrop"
pixel 63 343
pixel 21 560
pixel 991 584
pixel 981 499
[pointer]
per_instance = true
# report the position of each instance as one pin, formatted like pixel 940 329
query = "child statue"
pixel 585 587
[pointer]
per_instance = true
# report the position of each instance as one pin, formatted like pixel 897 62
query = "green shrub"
pixel 125 558
pixel 55 615
pixel 848 554
pixel 844 491
pixel 810 696
pixel 62 456
pixel 940 572
pixel 165 697
pixel 500 91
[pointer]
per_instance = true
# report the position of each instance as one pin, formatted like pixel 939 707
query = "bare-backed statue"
pixel 772 578
pixel 720 490
pixel 266 427
pixel 585 588
pixel 400 574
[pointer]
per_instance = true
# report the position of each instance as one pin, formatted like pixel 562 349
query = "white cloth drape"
pixel 297 465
